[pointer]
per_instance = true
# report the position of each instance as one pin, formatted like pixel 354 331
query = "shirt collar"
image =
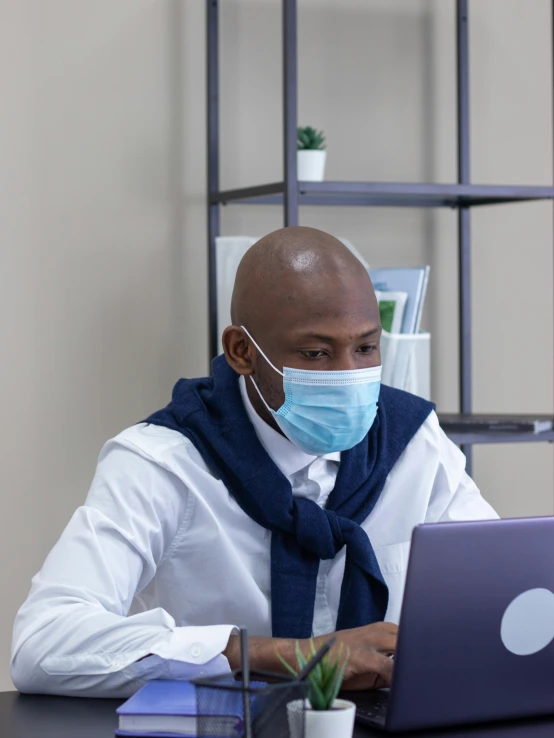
pixel 285 454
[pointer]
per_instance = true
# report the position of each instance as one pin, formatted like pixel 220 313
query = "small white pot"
pixel 335 723
pixel 311 165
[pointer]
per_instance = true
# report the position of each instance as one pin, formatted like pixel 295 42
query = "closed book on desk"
pixel 166 708
pixel 476 423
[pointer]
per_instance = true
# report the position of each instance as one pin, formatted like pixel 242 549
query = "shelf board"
pixel 386 194
pixel 468 439
pixel 495 436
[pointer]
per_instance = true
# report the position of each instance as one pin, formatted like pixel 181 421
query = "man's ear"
pixel 238 350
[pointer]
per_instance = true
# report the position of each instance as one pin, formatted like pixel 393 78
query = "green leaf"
pixel 317 698
pixel 319 140
pixel 300 657
pixel 287 666
pixel 338 682
pixel 303 138
pixel 328 688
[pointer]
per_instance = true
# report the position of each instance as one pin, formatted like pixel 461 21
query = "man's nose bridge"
pixel 346 361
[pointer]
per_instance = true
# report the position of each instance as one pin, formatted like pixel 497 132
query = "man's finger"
pixel 376 675
pixel 386 669
pixel 378 679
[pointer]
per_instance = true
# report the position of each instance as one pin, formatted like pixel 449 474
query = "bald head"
pixel 308 303
pixel 292 269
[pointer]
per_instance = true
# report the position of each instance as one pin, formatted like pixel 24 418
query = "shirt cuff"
pixel 197 645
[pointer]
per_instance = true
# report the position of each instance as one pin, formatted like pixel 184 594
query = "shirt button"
pixel 116 663
pixel 196 650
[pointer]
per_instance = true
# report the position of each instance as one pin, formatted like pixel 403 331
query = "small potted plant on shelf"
pixel 325 716
pixel 311 155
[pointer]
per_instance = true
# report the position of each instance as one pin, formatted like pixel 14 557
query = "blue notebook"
pixel 166 708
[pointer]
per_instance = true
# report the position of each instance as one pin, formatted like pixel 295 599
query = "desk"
pixel 29 716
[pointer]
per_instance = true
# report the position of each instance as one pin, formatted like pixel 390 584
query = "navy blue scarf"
pixel 211 413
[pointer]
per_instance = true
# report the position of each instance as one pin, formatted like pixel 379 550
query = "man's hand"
pixel 370 647
pixel 369 664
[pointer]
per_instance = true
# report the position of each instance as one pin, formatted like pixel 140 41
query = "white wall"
pixel 102 217
pixel 91 255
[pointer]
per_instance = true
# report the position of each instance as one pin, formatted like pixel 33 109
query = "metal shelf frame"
pixel 378 194
pixel 291 194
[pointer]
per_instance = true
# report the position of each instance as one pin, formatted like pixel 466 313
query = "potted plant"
pixel 325 716
pixel 311 155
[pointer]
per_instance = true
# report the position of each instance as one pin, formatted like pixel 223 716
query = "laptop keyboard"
pixel 371 708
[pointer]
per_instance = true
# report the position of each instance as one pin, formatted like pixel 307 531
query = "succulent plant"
pixel 308 139
pixel 325 679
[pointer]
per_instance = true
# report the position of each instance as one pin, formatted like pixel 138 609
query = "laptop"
pixel 476 634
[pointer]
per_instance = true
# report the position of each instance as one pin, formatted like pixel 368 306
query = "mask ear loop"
pixel 262 398
pixel 261 352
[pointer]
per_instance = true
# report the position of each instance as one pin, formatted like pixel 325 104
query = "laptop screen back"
pixel 476 639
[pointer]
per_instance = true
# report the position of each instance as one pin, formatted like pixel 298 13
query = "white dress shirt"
pixel 159 565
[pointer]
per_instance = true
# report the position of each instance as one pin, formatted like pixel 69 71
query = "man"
pixel 277 495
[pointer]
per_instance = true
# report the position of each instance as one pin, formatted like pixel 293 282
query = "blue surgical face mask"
pixel 325 411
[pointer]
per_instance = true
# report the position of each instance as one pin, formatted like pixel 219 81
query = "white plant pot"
pixel 335 723
pixel 311 165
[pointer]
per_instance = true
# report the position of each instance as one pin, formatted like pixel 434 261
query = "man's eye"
pixel 367 349
pixel 315 354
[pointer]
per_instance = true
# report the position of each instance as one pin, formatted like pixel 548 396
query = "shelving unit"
pixel 393 194
pixel 291 194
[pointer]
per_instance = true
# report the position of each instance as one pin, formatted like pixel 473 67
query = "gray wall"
pixel 102 218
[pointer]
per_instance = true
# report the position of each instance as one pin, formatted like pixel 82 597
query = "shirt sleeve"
pixel 73 635
pixel 454 496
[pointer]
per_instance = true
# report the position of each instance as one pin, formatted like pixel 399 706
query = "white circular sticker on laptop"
pixel 528 622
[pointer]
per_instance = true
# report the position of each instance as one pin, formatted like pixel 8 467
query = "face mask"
pixel 325 411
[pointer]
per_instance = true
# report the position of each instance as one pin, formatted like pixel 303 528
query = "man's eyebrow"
pixel 330 339
pixel 372 332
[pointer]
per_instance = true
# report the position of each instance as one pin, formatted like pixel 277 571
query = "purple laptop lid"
pixel 476 638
